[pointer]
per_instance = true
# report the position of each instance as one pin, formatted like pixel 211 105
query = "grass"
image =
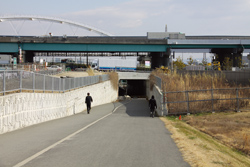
pixel 200 149
pixel 90 72
pixel 114 79
pixel 230 128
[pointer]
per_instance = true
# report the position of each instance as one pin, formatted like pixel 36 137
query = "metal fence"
pixel 208 100
pixel 18 81
pixel 37 68
pixel 26 67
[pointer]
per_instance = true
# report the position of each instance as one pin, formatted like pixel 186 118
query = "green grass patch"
pixel 172 118
pixel 192 137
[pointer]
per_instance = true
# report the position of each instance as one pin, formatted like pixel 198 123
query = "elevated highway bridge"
pixel 159 45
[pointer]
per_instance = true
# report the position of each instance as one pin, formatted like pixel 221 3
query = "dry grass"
pixel 200 149
pixel 114 79
pixel 79 73
pixel 91 72
pixel 193 82
pixel 233 129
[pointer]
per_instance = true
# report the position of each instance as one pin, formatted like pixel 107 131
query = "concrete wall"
pixel 165 35
pixel 133 75
pixel 157 92
pixel 25 109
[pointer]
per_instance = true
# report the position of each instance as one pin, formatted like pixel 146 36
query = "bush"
pixel 114 79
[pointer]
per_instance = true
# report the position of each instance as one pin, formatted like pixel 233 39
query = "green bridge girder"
pixel 71 47
pixel 8 47
pixel 94 47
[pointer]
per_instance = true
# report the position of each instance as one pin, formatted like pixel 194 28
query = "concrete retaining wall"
pixel 161 109
pixel 25 109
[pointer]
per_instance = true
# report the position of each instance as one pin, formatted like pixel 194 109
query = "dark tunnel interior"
pixel 133 88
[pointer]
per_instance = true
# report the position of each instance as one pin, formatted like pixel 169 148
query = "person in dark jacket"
pixel 152 105
pixel 88 101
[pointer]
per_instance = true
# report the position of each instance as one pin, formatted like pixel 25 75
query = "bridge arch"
pixel 52 19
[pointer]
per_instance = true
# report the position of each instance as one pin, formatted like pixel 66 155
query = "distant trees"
pixel 227 64
pixel 179 64
pixel 190 61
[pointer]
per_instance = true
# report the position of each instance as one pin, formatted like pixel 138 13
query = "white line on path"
pixel 62 140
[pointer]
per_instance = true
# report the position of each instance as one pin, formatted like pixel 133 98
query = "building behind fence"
pixel 28 81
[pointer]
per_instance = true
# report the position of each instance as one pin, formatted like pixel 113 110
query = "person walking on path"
pixel 88 101
pixel 152 106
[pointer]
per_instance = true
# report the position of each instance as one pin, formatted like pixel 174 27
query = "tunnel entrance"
pixel 133 88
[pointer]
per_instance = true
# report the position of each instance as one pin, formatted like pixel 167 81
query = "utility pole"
pixel 172 63
pixel 87 59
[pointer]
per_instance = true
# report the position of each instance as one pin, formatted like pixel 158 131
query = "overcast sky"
pixel 131 17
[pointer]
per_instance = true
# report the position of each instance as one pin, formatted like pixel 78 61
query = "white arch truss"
pixel 52 19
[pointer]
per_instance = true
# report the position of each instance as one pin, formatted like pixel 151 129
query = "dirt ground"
pixel 78 73
pixel 219 139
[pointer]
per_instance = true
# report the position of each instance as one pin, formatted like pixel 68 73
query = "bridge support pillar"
pixel 159 59
pixel 28 56
pixel 234 56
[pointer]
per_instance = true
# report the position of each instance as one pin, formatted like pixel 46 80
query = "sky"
pixel 130 17
pixel 134 17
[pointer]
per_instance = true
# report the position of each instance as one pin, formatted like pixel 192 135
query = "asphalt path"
pixel 115 134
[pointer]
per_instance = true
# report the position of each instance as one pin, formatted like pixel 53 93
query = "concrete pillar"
pixel 237 59
pixel 159 59
pixel 28 56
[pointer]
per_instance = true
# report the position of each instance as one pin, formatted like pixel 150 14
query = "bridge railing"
pixel 24 81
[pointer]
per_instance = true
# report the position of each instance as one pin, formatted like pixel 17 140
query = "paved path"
pixel 127 137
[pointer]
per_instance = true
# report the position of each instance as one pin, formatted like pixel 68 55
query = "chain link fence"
pixel 18 81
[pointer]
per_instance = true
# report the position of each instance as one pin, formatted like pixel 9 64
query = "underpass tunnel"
pixel 133 88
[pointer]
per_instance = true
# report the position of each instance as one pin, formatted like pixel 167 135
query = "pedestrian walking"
pixel 152 106
pixel 88 101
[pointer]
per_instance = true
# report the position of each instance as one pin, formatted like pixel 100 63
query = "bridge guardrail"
pixel 18 81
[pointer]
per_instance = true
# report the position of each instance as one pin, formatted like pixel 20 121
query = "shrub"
pixel 114 79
